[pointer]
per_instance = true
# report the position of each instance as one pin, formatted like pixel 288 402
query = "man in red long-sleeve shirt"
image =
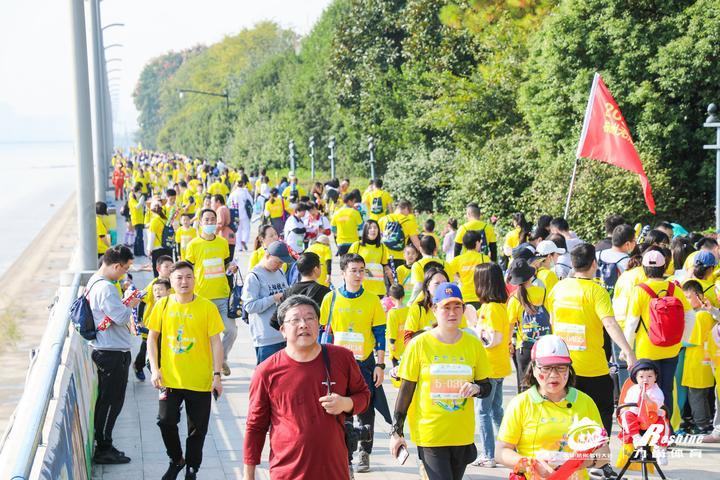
pixel 306 405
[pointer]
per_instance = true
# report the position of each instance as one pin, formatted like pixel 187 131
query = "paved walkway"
pixel 137 434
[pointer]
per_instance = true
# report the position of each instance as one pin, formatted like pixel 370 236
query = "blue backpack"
pixel 536 325
pixel 608 272
pixel 82 317
pixel 393 236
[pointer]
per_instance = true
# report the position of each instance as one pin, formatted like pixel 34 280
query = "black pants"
pixel 157 253
pixel 522 360
pixel 343 249
pixel 139 245
pixel 141 357
pixel 447 463
pixel 699 401
pixel 112 369
pixel 197 406
pixel 368 416
pixel 600 390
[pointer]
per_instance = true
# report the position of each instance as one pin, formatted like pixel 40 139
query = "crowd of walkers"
pixel 444 317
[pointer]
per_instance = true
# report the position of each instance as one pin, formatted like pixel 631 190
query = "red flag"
pixel 605 137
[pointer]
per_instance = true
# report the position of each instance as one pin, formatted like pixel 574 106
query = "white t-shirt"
pixel 296 241
pixel 612 256
pixel 563 267
pixel 237 199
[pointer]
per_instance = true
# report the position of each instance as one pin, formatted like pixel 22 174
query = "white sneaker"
pixel 484 462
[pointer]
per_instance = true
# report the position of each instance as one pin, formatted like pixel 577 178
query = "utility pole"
pixel 713 121
pixel 292 154
pixel 311 144
pixel 371 148
pixel 98 94
pixel 83 140
pixel 331 146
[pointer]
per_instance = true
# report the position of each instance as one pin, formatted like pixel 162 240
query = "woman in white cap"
pixel 441 371
pixel 546 256
pixel 538 432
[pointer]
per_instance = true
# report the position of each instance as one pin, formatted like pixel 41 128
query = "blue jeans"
pixel 489 410
pixel 266 351
pixel 667 368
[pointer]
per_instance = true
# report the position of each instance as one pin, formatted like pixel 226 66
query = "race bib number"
pixel 573 334
pixel 213 268
pixel 707 360
pixel 374 272
pixel 184 240
pixel 353 341
pixel 446 380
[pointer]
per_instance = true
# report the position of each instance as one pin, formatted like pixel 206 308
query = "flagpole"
pixel 586 123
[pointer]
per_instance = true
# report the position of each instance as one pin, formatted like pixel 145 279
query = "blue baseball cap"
pixel 280 249
pixel 705 258
pixel 447 292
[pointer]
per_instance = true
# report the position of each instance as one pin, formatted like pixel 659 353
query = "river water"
pixel 36 180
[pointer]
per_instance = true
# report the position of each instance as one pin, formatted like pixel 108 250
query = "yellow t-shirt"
pixel 442 418
pixel 539 428
pixel 409 226
pixel 288 190
pixel 378 203
pixel 274 208
pixel 101 232
pixel 639 306
pixel 547 277
pixel 405 280
pixel 475 225
pixel 325 254
pixel 208 258
pixel 183 236
pixel 156 228
pixel 493 317
pixel 347 222
pixel 623 288
pixel 697 370
pixel 352 321
pixel 420 319
pixel 537 296
pixel 395 331
pixel 418 269
pixel 464 267
pixel 136 208
pixel 255 257
pixel 185 352
pixel 577 307
pixel 219 188
pixel 512 241
pixel 375 258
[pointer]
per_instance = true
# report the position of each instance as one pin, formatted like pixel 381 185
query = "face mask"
pixel 552 265
pixel 209 229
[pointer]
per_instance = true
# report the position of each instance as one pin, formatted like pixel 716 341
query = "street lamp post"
pixel 311 144
pixel 224 94
pixel 292 154
pixel 713 121
pixel 371 148
pixel 331 146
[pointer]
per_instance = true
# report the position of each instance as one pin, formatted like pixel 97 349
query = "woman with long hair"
pixel 266 235
pixel 375 254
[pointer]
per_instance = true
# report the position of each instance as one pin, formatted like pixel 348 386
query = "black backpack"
pixel 168 237
pixel 393 236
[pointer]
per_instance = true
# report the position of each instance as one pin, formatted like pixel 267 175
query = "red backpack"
pixel 667 317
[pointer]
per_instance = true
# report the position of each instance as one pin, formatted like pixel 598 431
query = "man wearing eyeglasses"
pixel 111 347
pixel 304 397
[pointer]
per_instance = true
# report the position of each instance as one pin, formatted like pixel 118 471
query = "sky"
pixel 35 39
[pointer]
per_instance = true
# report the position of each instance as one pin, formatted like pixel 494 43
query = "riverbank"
pixel 27 288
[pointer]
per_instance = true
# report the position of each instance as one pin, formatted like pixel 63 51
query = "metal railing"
pixel 24 434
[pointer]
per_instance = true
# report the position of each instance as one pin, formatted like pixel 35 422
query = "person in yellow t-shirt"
pixel 474 223
pixel 103 236
pixel 265 237
pixel 377 200
pixel 443 372
pixel 276 210
pixel 136 206
pixel 637 321
pixel 703 267
pixel 321 247
pixel 189 328
pixel 493 330
pixel 346 225
pixel 395 339
pixel 546 256
pixel 374 253
pixel 580 309
pixel 428 248
pixel 697 372
pixel 429 230
pixel 155 247
pixel 185 233
pixel 463 267
pixel 219 188
pixel 403 270
pixel 357 322
pixel 210 255
pixel 293 192
pixel 536 422
pixel 399 229
pixel 518 235
pixel 527 314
